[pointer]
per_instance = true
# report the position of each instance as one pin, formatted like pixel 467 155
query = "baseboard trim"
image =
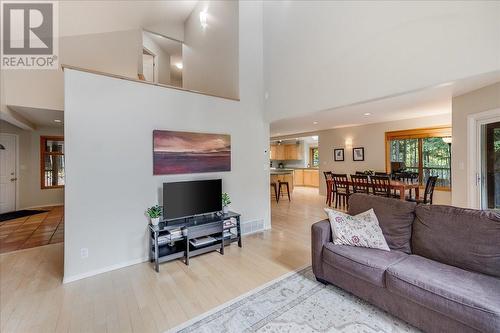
pixel 42 206
pixel 103 270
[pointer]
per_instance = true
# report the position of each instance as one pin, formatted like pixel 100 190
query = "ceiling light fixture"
pixel 367 114
pixel 203 19
pixel 315 122
pixel 179 65
pixel 57 120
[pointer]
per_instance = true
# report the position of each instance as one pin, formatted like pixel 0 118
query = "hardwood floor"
pixel 136 298
pixel 32 231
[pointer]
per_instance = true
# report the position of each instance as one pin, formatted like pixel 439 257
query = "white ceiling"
pixel 40 117
pixel 88 17
pixel 426 102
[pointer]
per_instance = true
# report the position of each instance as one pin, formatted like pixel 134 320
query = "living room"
pixel 132 143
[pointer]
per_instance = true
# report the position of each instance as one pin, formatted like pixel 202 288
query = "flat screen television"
pixel 184 199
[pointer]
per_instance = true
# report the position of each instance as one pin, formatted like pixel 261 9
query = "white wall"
pixel 484 99
pixel 162 59
pixel 210 55
pixel 30 192
pixel 109 173
pixel 324 54
pixel 372 138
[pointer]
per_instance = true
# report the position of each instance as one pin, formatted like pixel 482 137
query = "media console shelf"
pixel 189 237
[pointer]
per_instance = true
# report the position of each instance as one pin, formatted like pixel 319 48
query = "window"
pixel 422 151
pixel 314 157
pixel 51 161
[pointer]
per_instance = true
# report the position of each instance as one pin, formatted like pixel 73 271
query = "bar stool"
pixel 275 187
pixel 282 183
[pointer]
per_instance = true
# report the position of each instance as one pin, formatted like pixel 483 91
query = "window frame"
pixel 417 133
pixel 43 153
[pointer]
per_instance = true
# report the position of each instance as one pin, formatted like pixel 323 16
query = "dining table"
pixel 401 186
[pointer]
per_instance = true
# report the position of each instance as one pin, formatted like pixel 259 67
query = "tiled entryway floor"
pixel 31 231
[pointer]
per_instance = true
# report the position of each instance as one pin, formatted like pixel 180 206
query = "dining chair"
pixel 360 184
pixel 360 173
pixel 428 193
pixel 341 188
pixel 329 193
pixel 381 173
pixel 381 185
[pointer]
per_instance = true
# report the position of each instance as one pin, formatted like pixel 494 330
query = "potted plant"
pixel 226 201
pixel 154 214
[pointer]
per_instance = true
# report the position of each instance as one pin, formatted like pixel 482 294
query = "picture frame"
pixel 338 154
pixel 358 154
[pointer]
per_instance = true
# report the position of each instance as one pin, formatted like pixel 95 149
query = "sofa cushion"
pixel 364 263
pixel 395 217
pixel 469 297
pixel 465 238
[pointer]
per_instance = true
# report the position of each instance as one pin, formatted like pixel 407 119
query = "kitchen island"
pixel 284 175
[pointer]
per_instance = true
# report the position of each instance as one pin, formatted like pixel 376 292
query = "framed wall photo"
pixel 338 155
pixel 358 154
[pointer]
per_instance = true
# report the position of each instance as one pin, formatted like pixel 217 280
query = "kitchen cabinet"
pixel 285 152
pixel 284 177
pixel 298 177
pixel 311 177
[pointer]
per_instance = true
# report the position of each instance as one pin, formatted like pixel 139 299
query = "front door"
pixel 8 169
pixel 491 166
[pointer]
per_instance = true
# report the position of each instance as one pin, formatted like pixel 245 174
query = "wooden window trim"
pixel 418 133
pixel 43 153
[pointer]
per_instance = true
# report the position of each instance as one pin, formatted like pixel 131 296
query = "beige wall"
pixel 480 100
pixel 372 138
pixel 162 59
pixel 210 55
pixel 30 193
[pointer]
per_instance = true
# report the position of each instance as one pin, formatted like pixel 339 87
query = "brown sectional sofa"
pixel 441 275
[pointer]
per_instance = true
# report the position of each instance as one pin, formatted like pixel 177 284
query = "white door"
pixel 8 178
pixel 148 67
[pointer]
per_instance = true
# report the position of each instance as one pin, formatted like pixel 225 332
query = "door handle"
pixel 13 179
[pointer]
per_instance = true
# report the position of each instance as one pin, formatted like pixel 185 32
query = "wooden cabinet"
pixel 285 152
pixel 298 177
pixel 311 178
pixel 284 177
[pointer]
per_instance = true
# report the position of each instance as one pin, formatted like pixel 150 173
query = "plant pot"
pixel 225 209
pixel 155 220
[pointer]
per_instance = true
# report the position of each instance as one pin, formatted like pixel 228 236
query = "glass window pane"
pixel 436 161
pixel 406 151
pixel 315 161
pixel 54 146
pixel 54 170
pixel 492 166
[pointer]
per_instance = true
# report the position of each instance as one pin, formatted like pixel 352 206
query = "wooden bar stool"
pixel 282 183
pixel 276 195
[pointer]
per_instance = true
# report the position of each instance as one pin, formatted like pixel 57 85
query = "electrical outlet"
pixel 84 252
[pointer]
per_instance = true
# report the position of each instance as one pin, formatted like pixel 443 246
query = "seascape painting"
pixel 187 152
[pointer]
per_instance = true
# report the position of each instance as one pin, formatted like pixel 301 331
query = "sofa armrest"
pixel 321 234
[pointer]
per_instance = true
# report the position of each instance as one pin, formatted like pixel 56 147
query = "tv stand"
pixel 189 237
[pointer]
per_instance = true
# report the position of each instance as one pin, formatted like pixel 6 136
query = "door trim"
pixel 474 123
pixel 16 137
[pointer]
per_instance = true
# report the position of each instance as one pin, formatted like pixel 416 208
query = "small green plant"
pixel 154 212
pixel 226 200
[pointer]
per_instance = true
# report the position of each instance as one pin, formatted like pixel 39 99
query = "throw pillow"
pixel 360 230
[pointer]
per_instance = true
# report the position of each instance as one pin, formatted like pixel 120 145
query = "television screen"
pixel 183 199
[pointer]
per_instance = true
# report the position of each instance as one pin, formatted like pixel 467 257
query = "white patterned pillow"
pixel 361 230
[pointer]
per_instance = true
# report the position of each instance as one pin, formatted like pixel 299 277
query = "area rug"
pixel 297 303
pixel 19 213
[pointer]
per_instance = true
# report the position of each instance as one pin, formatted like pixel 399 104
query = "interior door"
pixel 148 65
pixel 8 179
pixel 491 166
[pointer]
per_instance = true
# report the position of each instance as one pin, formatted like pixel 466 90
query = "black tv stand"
pixel 175 239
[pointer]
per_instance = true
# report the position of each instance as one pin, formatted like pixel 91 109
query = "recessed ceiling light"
pixel 315 122
pixel 179 65
pixel 367 114
pixel 57 120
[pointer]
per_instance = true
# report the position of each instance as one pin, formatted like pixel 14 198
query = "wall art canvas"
pixel 186 152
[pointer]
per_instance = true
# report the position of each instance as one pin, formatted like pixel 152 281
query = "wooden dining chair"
pixel 360 184
pixel 381 174
pixel 329 192
pixel 341 188
pixel 360 173
pixel 428 193
pixel 381 185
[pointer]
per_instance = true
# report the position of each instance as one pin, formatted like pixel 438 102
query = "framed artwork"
pixel 338 155
pixel 358 154
pixel 188 152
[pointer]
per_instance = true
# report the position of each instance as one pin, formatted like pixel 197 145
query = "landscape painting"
pixel 186 152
